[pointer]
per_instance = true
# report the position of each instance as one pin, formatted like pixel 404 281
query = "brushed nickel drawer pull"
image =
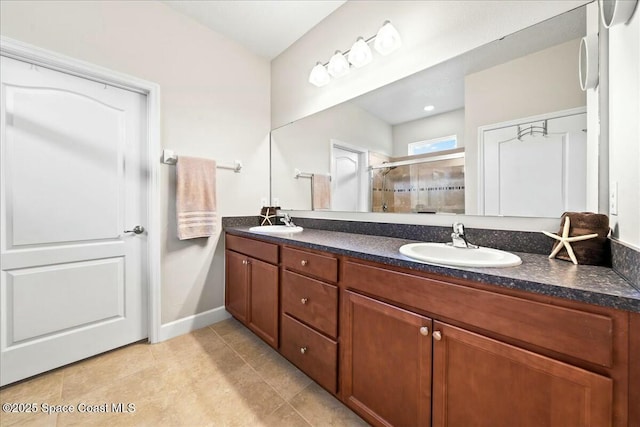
pixel 303 350
pixel 304 262
pixel 304 300
pixel 424 331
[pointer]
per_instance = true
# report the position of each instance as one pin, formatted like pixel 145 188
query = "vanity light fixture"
pixel 386 40
pixel 319 75
pixel 360 53
pixel 338 65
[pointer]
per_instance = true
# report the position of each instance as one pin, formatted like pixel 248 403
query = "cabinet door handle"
pixel 245 262
pixel 304 300
pixel 303 350
pixel 437 335
pixel 424 331
pixel 304 262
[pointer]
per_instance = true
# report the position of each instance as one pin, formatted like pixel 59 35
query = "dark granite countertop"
pixel 538 274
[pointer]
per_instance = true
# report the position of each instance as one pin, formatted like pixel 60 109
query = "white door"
pixel 541 176
pixel 348 185
pixel 72 174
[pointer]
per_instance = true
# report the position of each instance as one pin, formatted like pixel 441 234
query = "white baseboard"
pixel 191 323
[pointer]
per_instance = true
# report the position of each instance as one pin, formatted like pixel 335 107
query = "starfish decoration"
pixel 267 219
pixel 566 241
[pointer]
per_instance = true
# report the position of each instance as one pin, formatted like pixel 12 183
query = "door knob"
pixel 138 229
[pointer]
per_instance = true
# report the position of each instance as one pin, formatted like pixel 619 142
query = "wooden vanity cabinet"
pixel 410 348
pixel 497 360
pixel 634 369
pixel 484 382
pixel 386 362
pixel 309 314
pixel 252 284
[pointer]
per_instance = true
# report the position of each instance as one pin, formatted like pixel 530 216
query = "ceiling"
pixel 266 27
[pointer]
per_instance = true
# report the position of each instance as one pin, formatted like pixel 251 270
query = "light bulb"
pixel 338 65
pixel 360 53
pixel 387 40
pixel 319 75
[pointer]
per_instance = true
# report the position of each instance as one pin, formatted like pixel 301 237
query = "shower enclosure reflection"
pixel 427 184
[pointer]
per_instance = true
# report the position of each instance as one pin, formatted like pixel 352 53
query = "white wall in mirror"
pixel 306 146
pixel 449 123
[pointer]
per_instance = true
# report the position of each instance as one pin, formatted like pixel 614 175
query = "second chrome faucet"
pixel 286 219
pixel 459 239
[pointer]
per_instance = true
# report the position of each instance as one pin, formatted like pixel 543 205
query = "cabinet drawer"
pixel 311 264
pixel 261 250
pixel 315 354
pixel 311 301
pixel 580 334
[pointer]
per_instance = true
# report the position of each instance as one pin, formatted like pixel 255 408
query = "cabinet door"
pixel 386 356
pixel 236 287
pixel 479 382
pixel 263 300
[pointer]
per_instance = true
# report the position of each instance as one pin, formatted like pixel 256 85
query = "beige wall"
pixel 432 31
pixel 542 82
pixel 445 124
pixel 624 127
pixel 214 103
pixel 305 145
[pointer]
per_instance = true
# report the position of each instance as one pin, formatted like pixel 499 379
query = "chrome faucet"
pixel 286 219
pixel 459 239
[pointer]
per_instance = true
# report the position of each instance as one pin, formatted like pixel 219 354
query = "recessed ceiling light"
pixel 429 108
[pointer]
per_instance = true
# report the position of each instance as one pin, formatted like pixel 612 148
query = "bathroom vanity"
pixel 409 344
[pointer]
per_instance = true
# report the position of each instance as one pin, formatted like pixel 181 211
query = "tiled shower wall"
pixel 429 187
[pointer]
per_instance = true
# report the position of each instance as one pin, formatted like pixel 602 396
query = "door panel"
pixel 42 131
pixel 536 175
pixel 480 382
pixel 97 287
pixel 237 285
pixel 73 179
pixel 263 302
pixel 386 362
pixel 349 178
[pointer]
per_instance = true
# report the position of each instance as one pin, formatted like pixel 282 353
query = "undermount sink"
pixel 276 229
pixel 445 254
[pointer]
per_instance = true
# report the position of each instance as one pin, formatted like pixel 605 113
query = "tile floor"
pixel 221 375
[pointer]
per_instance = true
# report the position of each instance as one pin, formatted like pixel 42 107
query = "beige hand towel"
pixel 321 192
pixel 195 197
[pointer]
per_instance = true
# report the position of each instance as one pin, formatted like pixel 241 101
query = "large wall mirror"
pixel 500 130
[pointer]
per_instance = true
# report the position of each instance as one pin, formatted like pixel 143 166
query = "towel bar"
pixel 298 174
pixel 169 157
